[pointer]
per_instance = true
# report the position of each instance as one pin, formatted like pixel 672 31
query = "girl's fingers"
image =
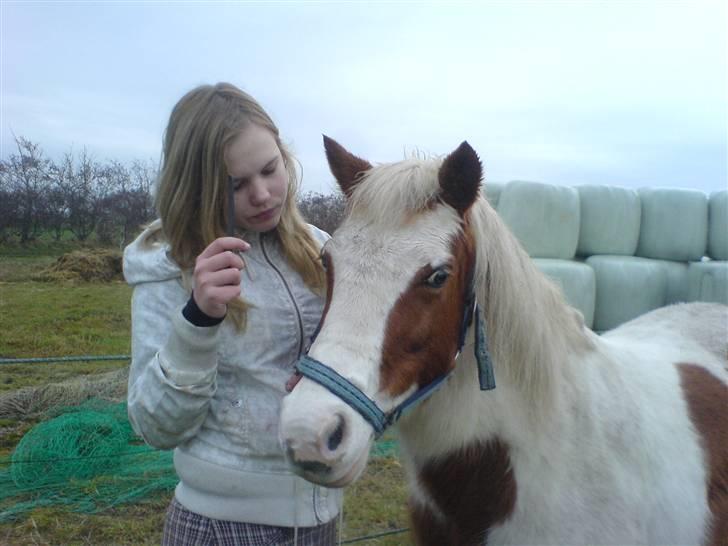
pixel 218 262
pixel 221 244
pixel 222 295
pixel 214 303
pixel 223 277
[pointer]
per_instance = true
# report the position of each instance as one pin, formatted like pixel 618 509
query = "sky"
pixel 628 93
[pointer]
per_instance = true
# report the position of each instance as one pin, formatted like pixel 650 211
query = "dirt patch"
pixel 90 265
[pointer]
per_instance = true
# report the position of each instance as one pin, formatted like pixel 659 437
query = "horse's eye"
pixel 324 256
pixel 437 278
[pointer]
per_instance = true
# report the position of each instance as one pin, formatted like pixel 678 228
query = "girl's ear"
pixel 345 166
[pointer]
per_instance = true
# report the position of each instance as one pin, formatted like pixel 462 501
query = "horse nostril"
pixel 335 439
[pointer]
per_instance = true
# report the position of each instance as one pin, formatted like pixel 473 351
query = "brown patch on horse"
pixel 345 166
pixel 423 327
pixel 707 398
pixel 474 489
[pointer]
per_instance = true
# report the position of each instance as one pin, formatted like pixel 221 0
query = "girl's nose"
pixel 259 193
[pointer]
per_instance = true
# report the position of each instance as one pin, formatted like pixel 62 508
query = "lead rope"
pixel 341 520
pixel 295 511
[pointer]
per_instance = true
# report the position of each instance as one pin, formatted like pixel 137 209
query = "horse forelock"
pixel 396 191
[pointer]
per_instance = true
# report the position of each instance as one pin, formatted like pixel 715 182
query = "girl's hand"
pixel 216 278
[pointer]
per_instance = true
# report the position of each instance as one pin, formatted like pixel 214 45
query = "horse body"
pixel 614 439
pixel 616 460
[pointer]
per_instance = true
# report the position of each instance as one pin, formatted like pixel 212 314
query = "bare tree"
pixel 323 211
pixel 8 214
pixel 84 186
pixel 26 175
pixel 128 204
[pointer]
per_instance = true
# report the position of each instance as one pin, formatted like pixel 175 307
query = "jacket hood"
pixel 146 261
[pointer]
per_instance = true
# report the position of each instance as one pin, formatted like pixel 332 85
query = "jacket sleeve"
pixel 173 368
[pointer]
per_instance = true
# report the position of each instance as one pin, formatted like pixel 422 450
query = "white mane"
pixel 531 328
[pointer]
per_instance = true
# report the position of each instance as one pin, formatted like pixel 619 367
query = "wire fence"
pixel 81 358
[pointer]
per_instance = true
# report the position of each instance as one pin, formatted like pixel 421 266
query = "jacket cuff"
pixel 197 316
pixel 190 355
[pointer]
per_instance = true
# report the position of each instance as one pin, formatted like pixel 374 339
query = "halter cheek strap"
pixel 486 376
pixel 368 409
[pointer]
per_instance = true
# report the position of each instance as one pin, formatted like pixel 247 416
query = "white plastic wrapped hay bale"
pixel 627 287
pixel 708 281
pixel 577 282
pixel 543 217
pixel 718 225
pixel 610 220
pixel 674 224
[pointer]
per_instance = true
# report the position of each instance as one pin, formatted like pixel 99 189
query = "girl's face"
pixel 260 179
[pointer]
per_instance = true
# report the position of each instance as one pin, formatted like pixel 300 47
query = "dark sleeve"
pixel 196 316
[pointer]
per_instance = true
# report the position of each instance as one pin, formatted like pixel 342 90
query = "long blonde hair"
pixel 192 189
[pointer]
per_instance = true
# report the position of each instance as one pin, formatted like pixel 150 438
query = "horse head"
pixel 400 272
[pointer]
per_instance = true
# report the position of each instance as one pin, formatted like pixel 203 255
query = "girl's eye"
pixel 437 278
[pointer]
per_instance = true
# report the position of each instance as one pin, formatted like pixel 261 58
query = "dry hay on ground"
pixel 85 265
pixel 31 401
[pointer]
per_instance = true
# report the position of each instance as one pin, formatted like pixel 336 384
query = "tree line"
pixel 106 201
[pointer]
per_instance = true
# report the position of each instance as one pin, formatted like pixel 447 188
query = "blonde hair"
pixel 192 187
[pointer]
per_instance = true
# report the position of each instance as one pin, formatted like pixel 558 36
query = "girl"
pixel 215 336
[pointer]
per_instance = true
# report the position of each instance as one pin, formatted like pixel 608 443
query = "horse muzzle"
pixel 324 442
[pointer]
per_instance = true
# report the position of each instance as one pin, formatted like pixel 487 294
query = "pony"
pixel 619 438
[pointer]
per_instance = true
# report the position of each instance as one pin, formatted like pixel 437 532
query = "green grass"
pixel 20 268
pixel 377 503
pixel 48 320
pixel 51 319
pixel 137 524
pixel 44 319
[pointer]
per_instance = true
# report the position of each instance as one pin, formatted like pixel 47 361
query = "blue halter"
pixel 367 408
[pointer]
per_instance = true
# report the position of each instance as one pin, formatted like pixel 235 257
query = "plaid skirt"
pixel 185 528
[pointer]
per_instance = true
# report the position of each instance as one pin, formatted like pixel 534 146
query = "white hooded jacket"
pixel 214 394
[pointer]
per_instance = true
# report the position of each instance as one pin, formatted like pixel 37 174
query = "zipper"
pixel 290 295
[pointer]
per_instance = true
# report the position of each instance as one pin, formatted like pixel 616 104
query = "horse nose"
pixel 319 450
pixel 334 438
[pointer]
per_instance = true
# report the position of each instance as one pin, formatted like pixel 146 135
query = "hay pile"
pixel 89 265
pixel 29 402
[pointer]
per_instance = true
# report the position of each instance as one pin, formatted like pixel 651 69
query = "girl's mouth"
pixel 265 215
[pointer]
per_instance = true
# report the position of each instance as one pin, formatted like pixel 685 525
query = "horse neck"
pixel 533 335
pixel 535 340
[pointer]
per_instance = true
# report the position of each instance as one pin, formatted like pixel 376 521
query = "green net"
pixel 88 458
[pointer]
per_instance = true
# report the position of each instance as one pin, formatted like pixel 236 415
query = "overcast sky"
pixel 570 92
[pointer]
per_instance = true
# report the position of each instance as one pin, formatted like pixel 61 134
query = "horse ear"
pixel 460 176
pixel 345 166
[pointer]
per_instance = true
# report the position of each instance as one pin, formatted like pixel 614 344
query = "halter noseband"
pixel 368 409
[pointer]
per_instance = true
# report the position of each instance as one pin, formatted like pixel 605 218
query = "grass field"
pixel 50 319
